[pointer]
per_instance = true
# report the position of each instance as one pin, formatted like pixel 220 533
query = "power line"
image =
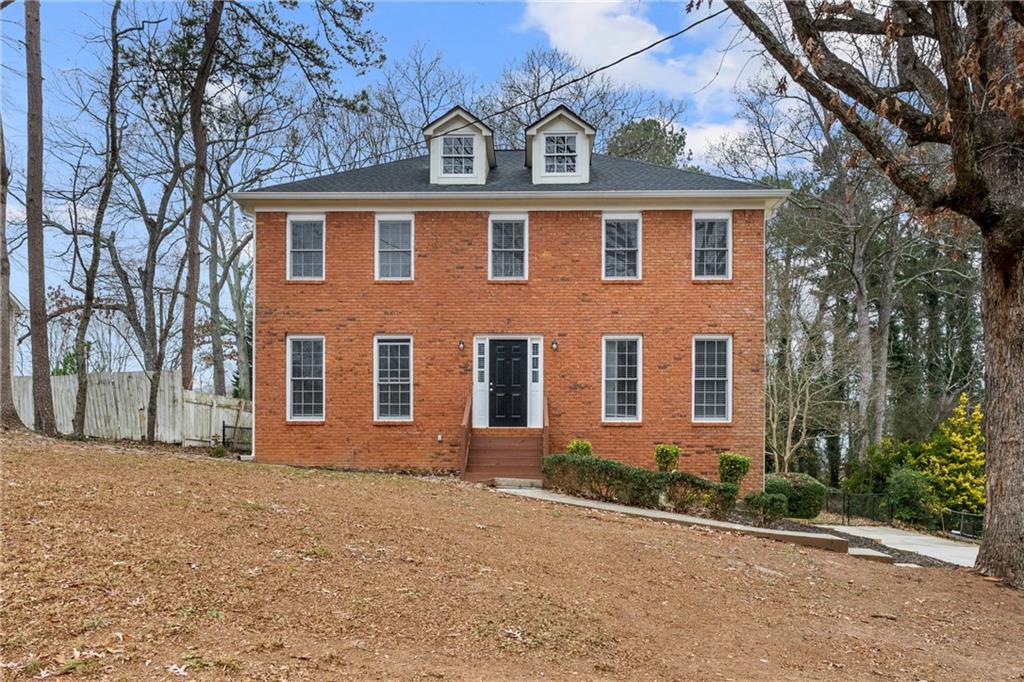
pixel 590 74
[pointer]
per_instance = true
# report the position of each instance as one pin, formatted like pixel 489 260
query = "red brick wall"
pixel 451 299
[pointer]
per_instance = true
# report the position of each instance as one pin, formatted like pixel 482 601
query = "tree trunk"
pixel 213 275
pixel 211 35
pixel 89 293
pixel 154 391
pixel 865 366
pixel 1002 309
pixel 882 333
pixel 9 418
pixel 42 394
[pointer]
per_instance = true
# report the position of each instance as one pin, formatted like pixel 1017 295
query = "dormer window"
pixel 457 155
pixel 560 154
pixel 558 148
pixel 461 149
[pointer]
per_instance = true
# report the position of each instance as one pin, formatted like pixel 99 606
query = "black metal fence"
pixel 236 438
pixel 874 507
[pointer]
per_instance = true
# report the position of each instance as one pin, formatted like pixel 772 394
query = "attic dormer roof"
pixel 470 122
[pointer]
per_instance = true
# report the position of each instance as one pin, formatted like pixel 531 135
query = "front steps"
pixel 504 453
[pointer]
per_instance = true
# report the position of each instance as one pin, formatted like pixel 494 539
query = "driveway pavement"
pixel 960 553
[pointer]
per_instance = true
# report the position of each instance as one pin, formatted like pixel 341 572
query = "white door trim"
pixel 481 392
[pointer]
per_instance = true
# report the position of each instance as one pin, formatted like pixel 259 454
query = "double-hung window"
pixel 712 246
pixel 621 247
pixel 305 247
pixel 457 155
pixel 305 378
pixel 509 247
pixel 392 378
pixel 712 378
pixel 395 243
pixel 622 378
pixel 560 154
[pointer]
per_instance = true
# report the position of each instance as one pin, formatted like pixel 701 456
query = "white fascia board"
pixel 773 195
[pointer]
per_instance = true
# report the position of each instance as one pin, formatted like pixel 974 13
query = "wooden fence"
pixel 117 408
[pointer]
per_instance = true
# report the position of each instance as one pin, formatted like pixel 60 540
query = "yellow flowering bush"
pixel 954 459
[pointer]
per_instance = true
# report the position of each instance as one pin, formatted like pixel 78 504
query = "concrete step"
pixel 870 555
pixel 516 483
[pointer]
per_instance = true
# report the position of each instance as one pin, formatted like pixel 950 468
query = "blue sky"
pixel 478 38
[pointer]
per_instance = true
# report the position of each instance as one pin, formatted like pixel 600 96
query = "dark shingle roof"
pixel 607 174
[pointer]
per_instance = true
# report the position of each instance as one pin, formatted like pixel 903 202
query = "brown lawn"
pixel 128 563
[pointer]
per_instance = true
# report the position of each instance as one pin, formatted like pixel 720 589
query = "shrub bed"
pixel 805 495
pixel 611 481
pixel 770 507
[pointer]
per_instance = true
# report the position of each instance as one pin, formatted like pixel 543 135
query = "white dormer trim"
pixel 459 122
pixel 560 122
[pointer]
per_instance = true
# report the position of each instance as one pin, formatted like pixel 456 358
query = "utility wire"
pixel 590 74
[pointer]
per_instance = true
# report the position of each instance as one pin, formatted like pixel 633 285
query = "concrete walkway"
pixel 960 553
pixel 831 543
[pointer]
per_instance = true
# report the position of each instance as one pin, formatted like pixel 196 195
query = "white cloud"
pixel 701 135
pixel 701 67
pixel 698 66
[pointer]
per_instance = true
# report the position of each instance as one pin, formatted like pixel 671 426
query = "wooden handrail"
pixel 467 432
pixel 546 432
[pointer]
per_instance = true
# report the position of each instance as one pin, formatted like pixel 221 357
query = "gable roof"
pixel 510 176
pixel 455 111
pixel 561 110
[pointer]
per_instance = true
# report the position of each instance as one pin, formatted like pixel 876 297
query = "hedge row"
pixel 611 481
pixel 805 495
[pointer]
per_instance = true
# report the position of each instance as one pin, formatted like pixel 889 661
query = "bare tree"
pixel 957 87
pixel 9 418
pixel 42 393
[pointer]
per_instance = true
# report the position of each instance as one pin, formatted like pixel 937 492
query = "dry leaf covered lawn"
pixel 128 563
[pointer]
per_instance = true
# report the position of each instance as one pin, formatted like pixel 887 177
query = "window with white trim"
pixel 712 378
pixel 392 372
pixel 621 247
pixel 509 248
pixel 560 154
pixel 457 155
pixel 622 378
pixel 712 246
pixel 394 247
pixel 305 247
pixel 306 378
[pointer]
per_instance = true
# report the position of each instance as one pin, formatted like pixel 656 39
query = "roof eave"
pixel 772 197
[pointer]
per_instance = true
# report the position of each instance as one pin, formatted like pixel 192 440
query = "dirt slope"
pixel 136 564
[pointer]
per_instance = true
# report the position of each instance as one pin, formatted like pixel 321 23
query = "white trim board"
pixel 288 376
pixel 481 389
pixel 728 376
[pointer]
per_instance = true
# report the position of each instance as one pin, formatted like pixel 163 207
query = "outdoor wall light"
pixel 554 344
pixel 462 345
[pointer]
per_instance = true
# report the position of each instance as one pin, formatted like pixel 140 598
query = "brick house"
pixel 473 308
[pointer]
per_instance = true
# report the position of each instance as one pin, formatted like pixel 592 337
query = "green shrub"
pixel 770 507
pixel 725 498
pixel 666 456
pixel 685 491
pixel 602 479
pixel 605 479
pixel 579 448
pixel 883 459
pixel 219 451
pixel 732 467
pixel 910 497
pixel 805 494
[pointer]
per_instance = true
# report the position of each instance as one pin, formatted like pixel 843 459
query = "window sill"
pixel 394 281
pixel 508 281
pixel 621 281
pixel 305 281
pixel 392 422
pixel 622 424
pixel 304 422
pixel 712 281
pixel 703 424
